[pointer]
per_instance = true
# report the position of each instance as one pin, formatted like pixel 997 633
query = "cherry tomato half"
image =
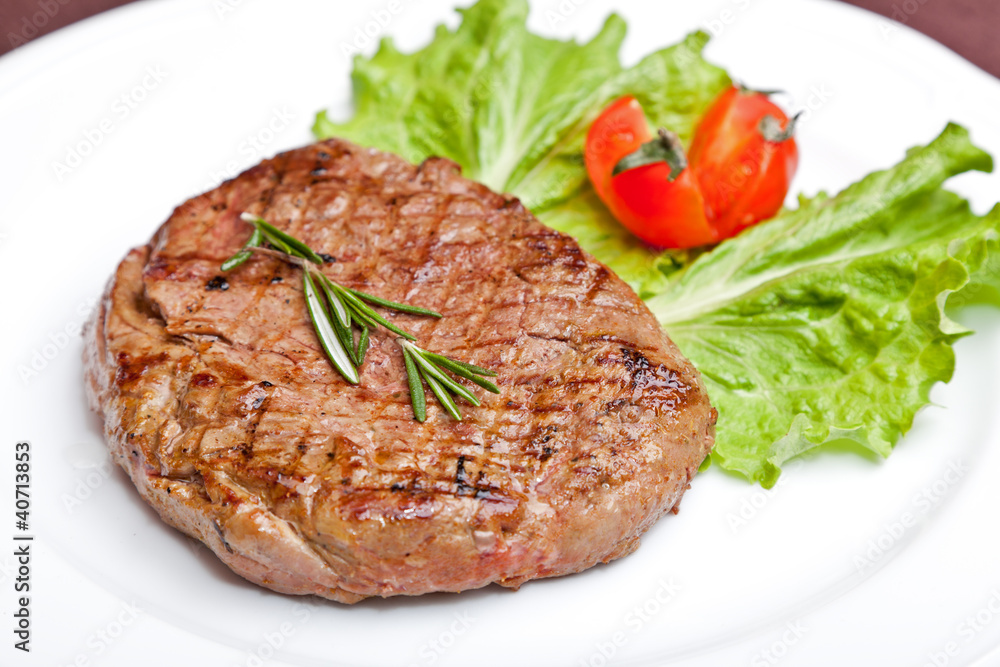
pixel 744 158
pixel 663 211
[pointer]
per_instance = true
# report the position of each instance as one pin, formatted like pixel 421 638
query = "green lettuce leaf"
pixel 824 325
pixel 828 323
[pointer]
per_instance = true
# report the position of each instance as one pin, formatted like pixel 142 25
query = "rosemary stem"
pixel 284 257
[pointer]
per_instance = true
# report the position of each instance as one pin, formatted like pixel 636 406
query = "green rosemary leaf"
pixel 485 384
pixel 279 244
pixel 351 305
pixel 343 315
pixel 394 305
pixel 363 307
pixel 417 399
pixel 359 354
pixel 442 396
pixel 295 246
pixel 457 368
pixel 236 260
pixel 325 332
pixel 244 253
pixel 255 239
pixel 393 328
pixel 471 368
pixel 360 317
pixel 346 336
pixel 429 369
pixel 340 317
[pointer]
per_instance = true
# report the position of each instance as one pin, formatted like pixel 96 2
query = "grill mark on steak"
pixel 307 485
pixel 462 479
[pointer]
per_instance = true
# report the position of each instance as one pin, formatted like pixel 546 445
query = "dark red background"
pixel 967 26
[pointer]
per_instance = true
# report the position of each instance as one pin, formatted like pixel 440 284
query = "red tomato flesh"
pixel 664 213
pixel 743 175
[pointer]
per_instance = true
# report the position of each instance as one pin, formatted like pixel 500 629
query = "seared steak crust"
pixel 220 405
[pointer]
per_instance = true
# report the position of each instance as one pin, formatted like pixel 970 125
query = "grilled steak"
pixel 220 405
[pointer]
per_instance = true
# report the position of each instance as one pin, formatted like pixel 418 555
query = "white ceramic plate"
pixel 847 561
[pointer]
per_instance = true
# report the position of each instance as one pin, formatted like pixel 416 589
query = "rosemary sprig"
pixel 429 367
pixel 336 311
